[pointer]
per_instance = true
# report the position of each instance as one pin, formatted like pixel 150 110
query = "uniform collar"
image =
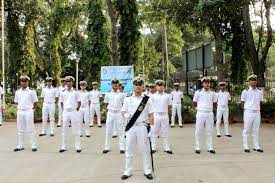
pixel 205 90
pixel 142 95
pixel 72 89
pixel 26 89
pixel 160 93
pixel 83 91
pixel 116 91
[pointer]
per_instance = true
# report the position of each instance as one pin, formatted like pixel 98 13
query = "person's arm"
pixel 151 118
pixel 106 100
pixel 262 100
pixel 243 99
pixel 215 99
pixel 78 101
pixel 35 99
pixel 195 99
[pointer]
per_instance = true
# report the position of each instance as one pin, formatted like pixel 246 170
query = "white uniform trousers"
pixel 204 120
pixel 73 117
pixel 176 109
pixel 222 113
pixel 48 110
pixel 60 116
pixel 137 137
pixel 161 123
pixel 95 109
pixel 84 115
pixel 114 117
pixel 25 124
pixel 252 120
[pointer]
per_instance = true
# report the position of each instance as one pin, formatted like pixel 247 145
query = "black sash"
pixel 137 113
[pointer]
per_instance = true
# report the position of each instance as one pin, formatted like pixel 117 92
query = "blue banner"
pixel 124 74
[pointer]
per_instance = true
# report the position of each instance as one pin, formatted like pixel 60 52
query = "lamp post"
pixel 76 73
pixel 3 49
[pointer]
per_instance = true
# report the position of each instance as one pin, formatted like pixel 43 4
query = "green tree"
pixel 128 33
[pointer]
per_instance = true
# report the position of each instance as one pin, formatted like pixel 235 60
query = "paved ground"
pixel 229 165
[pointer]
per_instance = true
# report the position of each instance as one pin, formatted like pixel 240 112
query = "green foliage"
pixel 97 51
pixel 128 33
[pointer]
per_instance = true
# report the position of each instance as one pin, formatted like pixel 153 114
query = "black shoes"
pixel 149 176
pixel 99 126
pixel 172 126
pixel 114 136
pixel 122 151
pixel 124 177
pixel 52 135
pixel 169 152
pixel 219 136
pixel 181 126
pixel 34 149
pixel 18 149
pixel 228 135
pixel 246 150
pixel 78 150
pixel 212 151
pixel 259 150
pixel 198 151
pixel 42 134
pixel 58 126
pixel 88 136
pixel 105 151
pixel 62 150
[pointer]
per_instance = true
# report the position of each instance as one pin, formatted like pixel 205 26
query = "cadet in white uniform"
pixel 152 89
pixel 84 109
pixel 49 94
pixel 137 135
pixel 95 97
pixel 1 107
pixel 114 100
pixel 70 103
pixel 162 102
pixel 60 110
pixel 26 100
pixel 222 110
pixel 176 95
pixel 251 100
pixel 203 100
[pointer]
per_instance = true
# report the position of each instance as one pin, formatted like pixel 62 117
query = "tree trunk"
pixel 114 40
pixel 258 62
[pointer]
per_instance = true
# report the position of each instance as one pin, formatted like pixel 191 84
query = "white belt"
pixel 69 109
pixel 161 113
pixel 49 102
pixel 204 111
pixel 113 111
pixel 25 109
pixel 252 111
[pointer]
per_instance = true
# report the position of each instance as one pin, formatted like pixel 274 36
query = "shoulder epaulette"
pixel 247 88
pixel 200 90
pixel 212 90
pixel 259 88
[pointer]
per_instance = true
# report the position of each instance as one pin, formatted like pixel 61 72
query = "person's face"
pixel 120 87
pixel 94 87
pixel 49 83
pixel 222 87
pixel 176 87
pixel 83 87
pixel 253 82
pixel 69 84
pixel 206 85
pixel 152 90
pixel 63 83
pixel 115 86
pixel 160 88
pixel 24 83
pixel 138 87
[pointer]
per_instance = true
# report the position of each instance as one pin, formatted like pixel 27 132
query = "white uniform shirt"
pixel 205 100
pixel 252 98
pixel 25 98
pixel 176 96
pixel 114 100
pixel 49 94
pixel 131 104
pixel 161 101
pixel 223 98
pixel 70 99
pixel 84 97
pixel 60 90
pixel 95 95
